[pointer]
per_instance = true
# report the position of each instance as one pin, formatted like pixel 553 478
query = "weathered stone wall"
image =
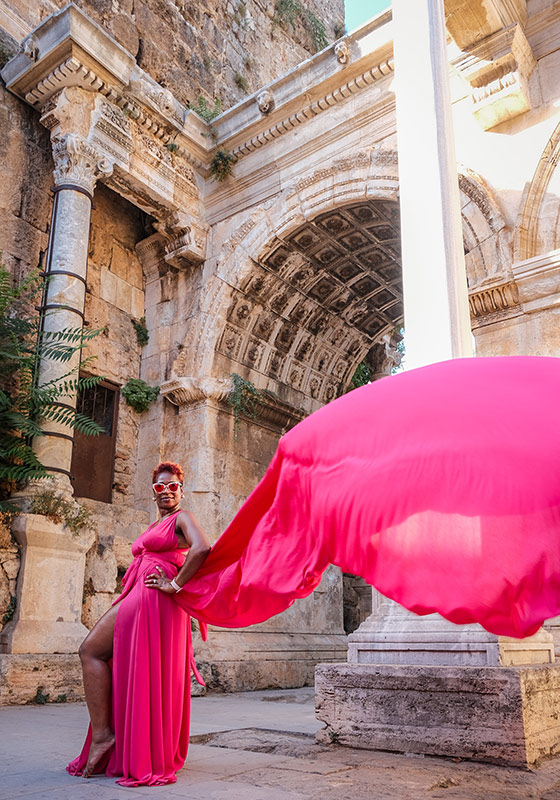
pixel 25 204
pixel 220 48
pixel 9 568
pixel 357 601
pixel 115 298
pixel 117 526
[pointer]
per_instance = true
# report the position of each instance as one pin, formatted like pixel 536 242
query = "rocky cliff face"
pixel 217 48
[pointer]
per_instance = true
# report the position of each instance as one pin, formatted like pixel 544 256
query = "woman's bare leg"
pixel 95 652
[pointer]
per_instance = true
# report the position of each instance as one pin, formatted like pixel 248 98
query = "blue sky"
pixel 358 11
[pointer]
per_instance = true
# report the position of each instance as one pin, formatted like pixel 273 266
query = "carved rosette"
pixel 79 162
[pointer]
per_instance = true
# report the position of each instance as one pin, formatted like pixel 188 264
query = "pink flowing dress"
pixel 152 658
pixel 440 486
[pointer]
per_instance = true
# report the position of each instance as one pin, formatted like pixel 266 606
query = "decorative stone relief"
pixel 30 48
pixel 377 73
pixel 493 300
pixel 498 71
pixel 319 296
pixel 71 72
pixel 190 391
pixel 79 162
pixel 186 239
pixel 265 101
pixel 342 52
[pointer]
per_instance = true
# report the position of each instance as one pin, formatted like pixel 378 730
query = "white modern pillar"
pixel 436 309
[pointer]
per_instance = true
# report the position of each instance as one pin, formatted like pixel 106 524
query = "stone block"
pixel 120 259
pixel 101 570
pixel 50 587
pixel 247 660
pixel 11 567
pixel 21 676
pixel 137 309
pixel 108 286
pixel 95 606
pixel 123 299
pixel 502 715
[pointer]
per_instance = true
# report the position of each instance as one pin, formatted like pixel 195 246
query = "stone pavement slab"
pixel 252 746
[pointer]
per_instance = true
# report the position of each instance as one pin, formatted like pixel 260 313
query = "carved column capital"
pixel 77 161
pixel 186 239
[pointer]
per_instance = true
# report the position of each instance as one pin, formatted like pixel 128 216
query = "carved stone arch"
pixel 289 301
pixel 532 238
pixel 487 238
pixel 280 310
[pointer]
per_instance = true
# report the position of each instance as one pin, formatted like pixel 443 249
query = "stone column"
pixel 436 310
pixel 78 164
pixel 50 582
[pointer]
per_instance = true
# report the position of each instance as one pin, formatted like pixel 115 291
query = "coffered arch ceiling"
pixel 318 299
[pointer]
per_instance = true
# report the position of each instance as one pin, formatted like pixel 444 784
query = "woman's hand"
pixel 161 582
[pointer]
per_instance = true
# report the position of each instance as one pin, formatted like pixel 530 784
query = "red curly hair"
pixel 168 466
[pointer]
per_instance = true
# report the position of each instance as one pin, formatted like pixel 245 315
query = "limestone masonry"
pixel 288 273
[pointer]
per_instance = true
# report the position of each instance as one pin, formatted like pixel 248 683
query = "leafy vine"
pixel 244 398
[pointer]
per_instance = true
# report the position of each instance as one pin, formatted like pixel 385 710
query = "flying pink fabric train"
pixel 440 486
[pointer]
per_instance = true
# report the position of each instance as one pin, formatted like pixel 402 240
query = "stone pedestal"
pixel 507 716
pixel 393 635
pixel 50 588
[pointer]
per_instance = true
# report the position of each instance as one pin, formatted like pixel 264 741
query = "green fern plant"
pixel 205 111
pixel 25 405
pixel 221 164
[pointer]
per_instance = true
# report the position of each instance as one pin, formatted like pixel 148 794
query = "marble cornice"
pixel 309 89
pixel 325 101
pixel 534 285
pixel 494 302
pixel 69 49
pixel 69 33
pixel 538 281
pixel 188 392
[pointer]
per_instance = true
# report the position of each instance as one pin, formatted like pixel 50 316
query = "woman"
pixel 439 486
pixel 139 705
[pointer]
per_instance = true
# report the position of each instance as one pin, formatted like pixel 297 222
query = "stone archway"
pixel 531 238
pixel 316 301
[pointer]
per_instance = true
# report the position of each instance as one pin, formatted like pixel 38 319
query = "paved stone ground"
pixel 252 746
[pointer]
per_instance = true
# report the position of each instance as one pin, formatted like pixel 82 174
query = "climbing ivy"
pixel 142 335
pixel 244 398
pixel 221 164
